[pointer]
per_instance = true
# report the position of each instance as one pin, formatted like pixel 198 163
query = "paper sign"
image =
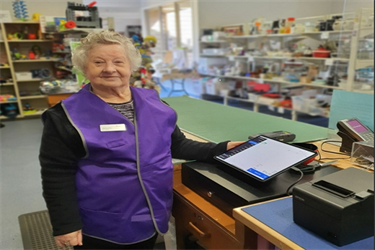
pixel 5 16
pixel 329 62
pixel 280 110
pixel 324 35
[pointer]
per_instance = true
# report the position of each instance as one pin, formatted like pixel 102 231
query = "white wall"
pixel 124 12
pixel 153 3
pixel 351 5
pixel 227 12
pixel 45 7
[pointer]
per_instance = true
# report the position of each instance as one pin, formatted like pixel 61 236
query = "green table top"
pixel 216 122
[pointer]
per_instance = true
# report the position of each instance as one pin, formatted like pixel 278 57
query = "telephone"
pixel 352 130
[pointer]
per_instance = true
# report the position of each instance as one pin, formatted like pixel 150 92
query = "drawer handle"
pixel 200 232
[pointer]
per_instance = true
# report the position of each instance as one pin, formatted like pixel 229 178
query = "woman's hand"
pixel 233 144
pixel 70 239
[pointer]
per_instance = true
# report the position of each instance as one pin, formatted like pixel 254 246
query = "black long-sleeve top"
pixel 62 147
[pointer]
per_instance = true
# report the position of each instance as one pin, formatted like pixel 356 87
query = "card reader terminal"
pixel 277 135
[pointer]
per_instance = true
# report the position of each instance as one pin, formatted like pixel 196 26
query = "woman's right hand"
pixel 70 239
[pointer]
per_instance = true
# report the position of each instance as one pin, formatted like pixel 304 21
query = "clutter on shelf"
pixel 58 86
pixel 142 78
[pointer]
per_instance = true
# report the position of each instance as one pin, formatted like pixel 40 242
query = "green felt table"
pixel 216 122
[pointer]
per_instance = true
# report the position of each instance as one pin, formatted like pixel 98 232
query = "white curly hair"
pixel 93 39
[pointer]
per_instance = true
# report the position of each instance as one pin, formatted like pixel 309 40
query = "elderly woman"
pixel 106 153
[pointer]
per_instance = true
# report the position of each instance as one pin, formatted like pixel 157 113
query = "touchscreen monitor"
pixel 264 158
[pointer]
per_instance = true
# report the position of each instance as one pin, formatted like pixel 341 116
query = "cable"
pixel 332 152
pixel 294 183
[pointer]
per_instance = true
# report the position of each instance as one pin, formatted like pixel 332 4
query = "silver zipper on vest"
pixel 139 175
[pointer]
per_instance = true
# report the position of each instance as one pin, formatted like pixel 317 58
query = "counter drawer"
pixel 208 233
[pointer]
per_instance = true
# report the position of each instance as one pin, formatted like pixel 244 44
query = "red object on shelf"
pixel 70 24
pixel 321 52
pixel 31 36
pixel 31 55
pixel 286 103
pixel 272 95
pixel 91 4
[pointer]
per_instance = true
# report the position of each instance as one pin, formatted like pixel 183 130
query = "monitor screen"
pixel 264 158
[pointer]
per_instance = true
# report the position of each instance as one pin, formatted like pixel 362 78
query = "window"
pixel 172 26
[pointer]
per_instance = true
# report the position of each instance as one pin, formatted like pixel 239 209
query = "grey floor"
pixel 20 183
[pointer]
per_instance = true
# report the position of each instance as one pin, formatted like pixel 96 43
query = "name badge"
pixel 112 127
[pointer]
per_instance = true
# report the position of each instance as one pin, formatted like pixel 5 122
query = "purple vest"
pixel 125 182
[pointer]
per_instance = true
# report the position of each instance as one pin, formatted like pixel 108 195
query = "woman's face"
pixel 108 67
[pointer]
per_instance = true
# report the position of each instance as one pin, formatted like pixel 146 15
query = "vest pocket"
pixel 100 224
pixel 116 143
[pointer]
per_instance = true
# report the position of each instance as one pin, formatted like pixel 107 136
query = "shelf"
pixel 274 81
pixel 61 52
pixel 213 55
pixel 37 113
pixel 267 104
pixel 22 22
pixel 4 67
pixel 63 68
pixel 363 63
pixel 31 80
pixel 290 34
pixel 35 60
pixel 6 84
pixel 219 41
pixel 5 102
pixel 33 97
pixel 79 30
pixel 280 57
pixel 302 58
pixel 30 41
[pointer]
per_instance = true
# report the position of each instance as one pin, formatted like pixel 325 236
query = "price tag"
pixel 324 35
pixel 272 108
pixel 329 62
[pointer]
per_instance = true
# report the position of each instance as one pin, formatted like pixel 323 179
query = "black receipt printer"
pixel 338 207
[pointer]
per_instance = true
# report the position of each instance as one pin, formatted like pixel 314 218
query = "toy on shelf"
pixel 35 16
pixel 91 21
pixel 20 10
pixel 9 110
pixel 143 77
pixel 28 109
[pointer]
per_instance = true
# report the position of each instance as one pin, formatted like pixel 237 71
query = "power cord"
pixel 332 152
pixel 294 183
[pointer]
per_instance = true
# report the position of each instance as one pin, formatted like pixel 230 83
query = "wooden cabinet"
pixel 199 221
pixel 9 99
pixel 193 225
pixel 22 41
